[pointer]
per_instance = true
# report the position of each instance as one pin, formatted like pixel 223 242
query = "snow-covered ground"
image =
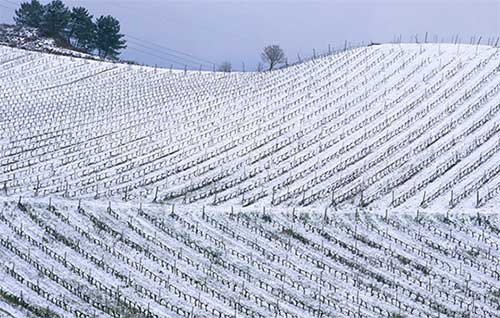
pixel 361 184
pixel 394 126
pixel 90 258
pixel 29 39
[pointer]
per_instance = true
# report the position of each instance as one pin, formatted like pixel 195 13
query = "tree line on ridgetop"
pixel 75 28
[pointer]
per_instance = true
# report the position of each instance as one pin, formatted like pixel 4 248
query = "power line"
pixel 162 58
pixel 172 50
pixel 16 3
pixel 9 2
pixel 183 59
pixel 3 6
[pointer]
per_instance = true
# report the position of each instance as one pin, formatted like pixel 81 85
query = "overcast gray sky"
pixel 215 31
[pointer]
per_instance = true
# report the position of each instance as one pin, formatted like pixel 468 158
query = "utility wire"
pixel 3 6
pixel 157 51
pixel 8 6
pixel 16 3
pixel 162 57
pixel 149 48
pixel 172 50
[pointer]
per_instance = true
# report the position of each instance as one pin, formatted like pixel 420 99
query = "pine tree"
pixel 81 30
pixel 29 14
pixel 108 38
pixel 56 17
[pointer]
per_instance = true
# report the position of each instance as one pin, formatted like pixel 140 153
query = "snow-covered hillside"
pixel 27 38
pixel 130 191
pixel 391 126
pixel 63 259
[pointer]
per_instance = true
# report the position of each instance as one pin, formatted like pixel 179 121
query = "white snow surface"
pixel 122 259
pixel 310 191
pixel 393 126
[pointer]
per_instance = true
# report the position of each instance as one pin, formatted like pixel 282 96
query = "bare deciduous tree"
pixel 273 55
pixel 225 67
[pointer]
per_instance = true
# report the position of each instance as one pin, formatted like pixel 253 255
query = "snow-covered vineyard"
pixel 311 191
pixel 94 260
pixel 389 126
